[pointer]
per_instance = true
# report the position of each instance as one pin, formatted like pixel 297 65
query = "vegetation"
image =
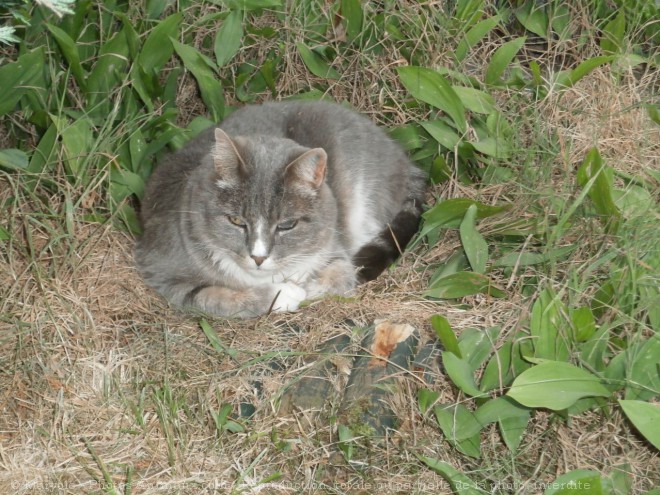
pixel 536 267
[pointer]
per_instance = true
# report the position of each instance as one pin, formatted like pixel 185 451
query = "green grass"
pixel 537 265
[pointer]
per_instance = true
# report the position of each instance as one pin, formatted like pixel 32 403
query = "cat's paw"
pixel 337 278
pixel 289 298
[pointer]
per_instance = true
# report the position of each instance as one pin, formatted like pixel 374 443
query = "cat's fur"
pixel 280 203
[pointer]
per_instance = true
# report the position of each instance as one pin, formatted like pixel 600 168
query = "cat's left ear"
pixel 308 170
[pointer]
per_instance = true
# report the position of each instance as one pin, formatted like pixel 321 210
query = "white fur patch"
pixel 259 248
pixel 289 298
pixel 224 184
pixel 361 224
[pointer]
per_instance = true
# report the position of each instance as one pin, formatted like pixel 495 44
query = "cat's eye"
pixel 287 225
pixel 238 221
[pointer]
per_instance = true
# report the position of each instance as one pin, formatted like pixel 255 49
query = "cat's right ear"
pixel 227 161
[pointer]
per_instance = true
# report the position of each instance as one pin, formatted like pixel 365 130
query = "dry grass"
pixel 101 382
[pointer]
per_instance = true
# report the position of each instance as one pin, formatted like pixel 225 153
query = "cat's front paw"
pixel 337 278
pixel 289 297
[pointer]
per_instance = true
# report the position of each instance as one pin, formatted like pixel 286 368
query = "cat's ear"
pixel 308 170
pixel 226 159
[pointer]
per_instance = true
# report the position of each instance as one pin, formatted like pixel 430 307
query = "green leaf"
pixel 474 35
pixel 475 100
pixel 228 38
pixel 108 73
pixel 70 51
pixel 430 87
pixel 645 417
pixel 77 140
pixel 497 373
pixel 460 483
pixel 209 86
pixel 580 481
pixel 614 34
pixel 215 340
pixel 443 133
pixel 502 57
pixel 14 159
pixel 567 78
pixel 4 234
pixel 474 244
pixel 502 409
pixel 426 398
pixel 528 259
pixel 476 345
pixel 450 213
pixel 555 385
pixel 512 430
pixel 44 154
pixel 249 5
pixel 463 284
pixel 596 179
pixel 124 183
pixel 547 327
pixel 460 427
pixel 534 18
pixel 315 63
pixel 645 369
pixel 346 442
pixel 461 374
pixel 445 334
pixel 583 323
pixel 17 78
pixel 351 11
pixel 157 48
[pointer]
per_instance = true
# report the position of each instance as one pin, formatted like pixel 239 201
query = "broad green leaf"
pixel 460 427
pixel 476 345
pixel 450 213
pixel 548 327
pixel 138 147
pixel 527 259
pixel 512 430
pixel 497 372
pixel 351 11
pixel 555 385
pixel 498 409
pixel 474 35
pixel 157 48
pixel 567 78
pixel 502 57
pixel 646 418
pixel 461 374
pixel 534 18
pixel 474 244
pixel 315 63
pixel 645 369
pixel 460 483
pixel 443 133
pixel 583 323
pixel 14 159
pixel 614 34
pixel 249 5
pixel 596 178
pixel 17 78
pixel 457 262
pixel 475 100
pixel 580 481
pixel 463 284
pixel 228 38
pixel 215 340
pixel 633 201
pixel 430 87
pixel 492 146
pixel 426 398
pixel 209 86
pixel 4 234
pixel 124 183
pixel 44 154
pixel 108 73
pixel 70 51
pixel 445 334
pixel 408 136
pixel 77 140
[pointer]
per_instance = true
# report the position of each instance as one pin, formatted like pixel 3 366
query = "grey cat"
pixel 282 202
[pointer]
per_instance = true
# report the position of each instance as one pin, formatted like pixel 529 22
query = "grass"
pixel 108 390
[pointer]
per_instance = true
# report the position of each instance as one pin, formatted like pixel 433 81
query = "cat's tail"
pixel 373 258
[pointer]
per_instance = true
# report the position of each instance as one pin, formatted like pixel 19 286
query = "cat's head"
pixel 267 206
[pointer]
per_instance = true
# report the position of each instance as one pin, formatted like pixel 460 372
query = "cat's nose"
pixel 258 259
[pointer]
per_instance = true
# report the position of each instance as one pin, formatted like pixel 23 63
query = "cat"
pixel 282 202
